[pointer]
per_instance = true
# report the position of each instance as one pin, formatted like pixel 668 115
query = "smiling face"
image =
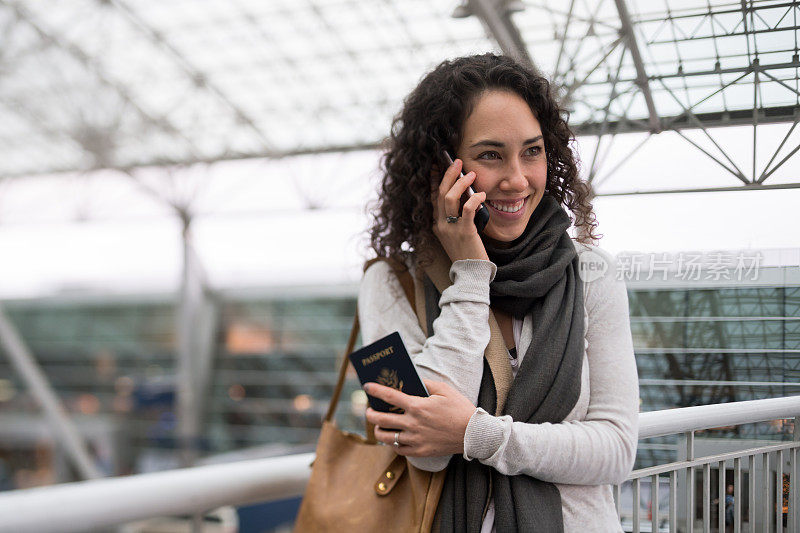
pixel 502 143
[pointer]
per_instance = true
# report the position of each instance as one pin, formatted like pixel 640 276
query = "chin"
pixel 508 233
pixel 504 239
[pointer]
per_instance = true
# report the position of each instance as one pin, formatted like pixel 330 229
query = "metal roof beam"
pixel 714 71
pixel 642 79
pixel 52 40
pixel 591 20
pixel 770 115
pixel 199 78
pixel 703 12
pixel 720 35
pixel 767 172
pixel 578 84
pixel 496 18
pixel 613 95
pixel 563 39
pixel 37 123
pixel 748 187
pixel 214 158
pixel 742 117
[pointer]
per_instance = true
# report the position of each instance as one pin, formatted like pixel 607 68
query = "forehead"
pixel 501 113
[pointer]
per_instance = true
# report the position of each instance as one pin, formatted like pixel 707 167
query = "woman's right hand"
pixel 460 239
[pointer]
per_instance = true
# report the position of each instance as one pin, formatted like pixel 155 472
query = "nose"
pixel 514 179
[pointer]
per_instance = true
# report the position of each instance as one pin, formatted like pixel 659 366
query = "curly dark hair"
pixel 432 120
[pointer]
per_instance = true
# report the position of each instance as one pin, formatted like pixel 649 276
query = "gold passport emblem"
pixel 389 378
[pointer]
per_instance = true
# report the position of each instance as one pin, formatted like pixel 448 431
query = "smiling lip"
pixel 506 214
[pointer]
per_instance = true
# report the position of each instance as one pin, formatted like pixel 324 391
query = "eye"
pixel 489 155
pixel 534 150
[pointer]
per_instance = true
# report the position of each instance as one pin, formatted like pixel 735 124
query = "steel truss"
pixel 708 24
pixel 600 47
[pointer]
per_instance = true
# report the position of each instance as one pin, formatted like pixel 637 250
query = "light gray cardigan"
pixel 595 445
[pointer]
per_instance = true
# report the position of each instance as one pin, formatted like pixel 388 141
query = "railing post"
pixel 737 495
pixel 690 482
pixel 673 502
pixel 751 485
pixel 654 502
pixel 636 504
pixel 197 522
pixel 794 493
pixel 706 498
pixel 779 492
pixel 765 492
pixel 722 494
pixel 794 479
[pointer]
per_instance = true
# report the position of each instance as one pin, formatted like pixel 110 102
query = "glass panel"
pixel 697 347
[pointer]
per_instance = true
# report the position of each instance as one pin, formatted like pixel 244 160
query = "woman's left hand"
pixel 431 426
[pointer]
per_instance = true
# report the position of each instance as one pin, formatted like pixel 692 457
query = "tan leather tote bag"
pixel 358 484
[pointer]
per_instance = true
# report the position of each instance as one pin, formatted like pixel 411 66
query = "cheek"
pixel 484 182
pixel 540 175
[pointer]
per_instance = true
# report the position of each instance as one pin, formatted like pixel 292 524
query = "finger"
pixel 450 177
pixel 388 395
pixel 461 184
pixel 472 205
pixel 436 387
pixel 453 196
pixel 386 420
pixel 387 434
pixel 387 437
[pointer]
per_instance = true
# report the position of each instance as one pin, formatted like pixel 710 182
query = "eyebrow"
pixel 499 144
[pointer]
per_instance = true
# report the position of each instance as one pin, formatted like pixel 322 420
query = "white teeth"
pixel 508 208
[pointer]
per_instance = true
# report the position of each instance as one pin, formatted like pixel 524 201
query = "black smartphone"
pixel 482 214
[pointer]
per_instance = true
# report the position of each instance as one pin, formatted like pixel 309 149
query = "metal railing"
pixel 108 502
pixel 766 508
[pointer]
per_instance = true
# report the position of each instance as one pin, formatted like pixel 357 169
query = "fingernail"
pixel 366 387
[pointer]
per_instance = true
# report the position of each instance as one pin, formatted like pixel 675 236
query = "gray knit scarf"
pixel 538 275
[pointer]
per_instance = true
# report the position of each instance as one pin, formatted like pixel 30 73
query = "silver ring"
pixel 397 439
pixel 452 220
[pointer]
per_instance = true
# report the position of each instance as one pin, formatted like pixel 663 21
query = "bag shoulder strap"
pixel 403 275
pixel 337 391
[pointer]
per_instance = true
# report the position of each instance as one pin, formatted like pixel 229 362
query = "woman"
pixel 540 454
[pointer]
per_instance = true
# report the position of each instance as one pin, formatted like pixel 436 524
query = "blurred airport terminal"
pixel 184 190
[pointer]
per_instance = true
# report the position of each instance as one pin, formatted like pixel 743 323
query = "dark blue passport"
pixel 386 362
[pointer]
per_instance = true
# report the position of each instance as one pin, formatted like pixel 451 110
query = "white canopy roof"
pixel 114 83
